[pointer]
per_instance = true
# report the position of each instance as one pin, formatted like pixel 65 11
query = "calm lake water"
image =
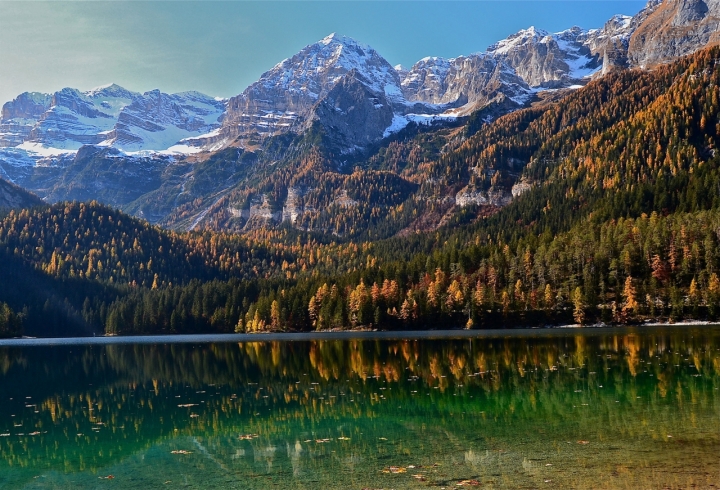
pixel 571 409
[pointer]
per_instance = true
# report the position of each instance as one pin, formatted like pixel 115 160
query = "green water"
pixel 566 410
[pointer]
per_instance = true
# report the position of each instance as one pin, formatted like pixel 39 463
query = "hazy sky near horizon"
pixel 219 48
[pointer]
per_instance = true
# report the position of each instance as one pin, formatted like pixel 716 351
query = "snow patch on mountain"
pixel 38 149
pixel 400 122
pixel 182 150
pixel 581 64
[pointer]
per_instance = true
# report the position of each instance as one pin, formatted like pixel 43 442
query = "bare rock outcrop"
pixel 672 29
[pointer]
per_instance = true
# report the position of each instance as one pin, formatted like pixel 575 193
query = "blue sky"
pixel 219 48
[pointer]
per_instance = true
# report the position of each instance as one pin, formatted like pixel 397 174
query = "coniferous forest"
pixel 619 223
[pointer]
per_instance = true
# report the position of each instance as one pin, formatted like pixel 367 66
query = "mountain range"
pixel 292 145
pixel 554 178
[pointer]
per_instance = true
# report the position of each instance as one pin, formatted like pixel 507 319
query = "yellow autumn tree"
pixel 578 306
pixel 275 315
pixel 455 297
pixel 630 305
pixel 693 292
pixel 549 297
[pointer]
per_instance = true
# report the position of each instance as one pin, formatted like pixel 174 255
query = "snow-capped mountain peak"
pixel 109 90
pixel 315 69
pixel 285 95
pixel 543 59
pixel 522 37
pixel 621 21
pixel 335 38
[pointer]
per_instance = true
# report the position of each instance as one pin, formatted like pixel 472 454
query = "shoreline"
pixel 458 334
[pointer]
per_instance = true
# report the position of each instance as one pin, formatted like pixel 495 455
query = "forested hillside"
pixel 618 220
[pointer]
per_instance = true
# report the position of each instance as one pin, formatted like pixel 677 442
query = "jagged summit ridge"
pixel 533 59
pixel 465 83
pixel 109 115
pixel 159 121
pixel 512 69
pixel 284 96
pixel 522 37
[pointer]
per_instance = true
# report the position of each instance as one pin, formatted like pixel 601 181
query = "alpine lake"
pixel 626 408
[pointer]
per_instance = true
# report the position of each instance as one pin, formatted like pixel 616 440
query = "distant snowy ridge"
pixel 45 125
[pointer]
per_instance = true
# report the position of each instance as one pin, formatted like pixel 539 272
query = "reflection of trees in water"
pixel 131 389
pixel 508 359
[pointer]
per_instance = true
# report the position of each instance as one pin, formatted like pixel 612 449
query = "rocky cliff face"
pixel 465 82
pixel 548 60
pixel 609 44
pixel 28 105
pixel 513 69
pixel 18 117
pixel 672 29
pixel 76 118
pixel 354 113
pixel 497 197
